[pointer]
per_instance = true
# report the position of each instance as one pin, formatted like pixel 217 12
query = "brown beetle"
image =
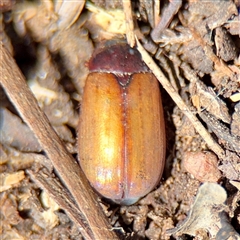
pixel 121 136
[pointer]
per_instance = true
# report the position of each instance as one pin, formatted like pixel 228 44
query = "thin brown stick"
pixel 180 103
pixel 129 22
pixel 156 12
pixel 95 223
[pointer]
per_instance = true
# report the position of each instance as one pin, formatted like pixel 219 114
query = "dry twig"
pixel 129 22
pixel 94 224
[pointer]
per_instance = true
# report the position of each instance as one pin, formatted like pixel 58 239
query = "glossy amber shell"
pixel 121 135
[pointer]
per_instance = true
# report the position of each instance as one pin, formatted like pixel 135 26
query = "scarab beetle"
pixel 121 134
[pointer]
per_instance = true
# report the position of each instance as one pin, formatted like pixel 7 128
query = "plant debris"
pixel 194 48
pixel 207 212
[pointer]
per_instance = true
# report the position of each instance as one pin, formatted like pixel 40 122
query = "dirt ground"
pixel 196 44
